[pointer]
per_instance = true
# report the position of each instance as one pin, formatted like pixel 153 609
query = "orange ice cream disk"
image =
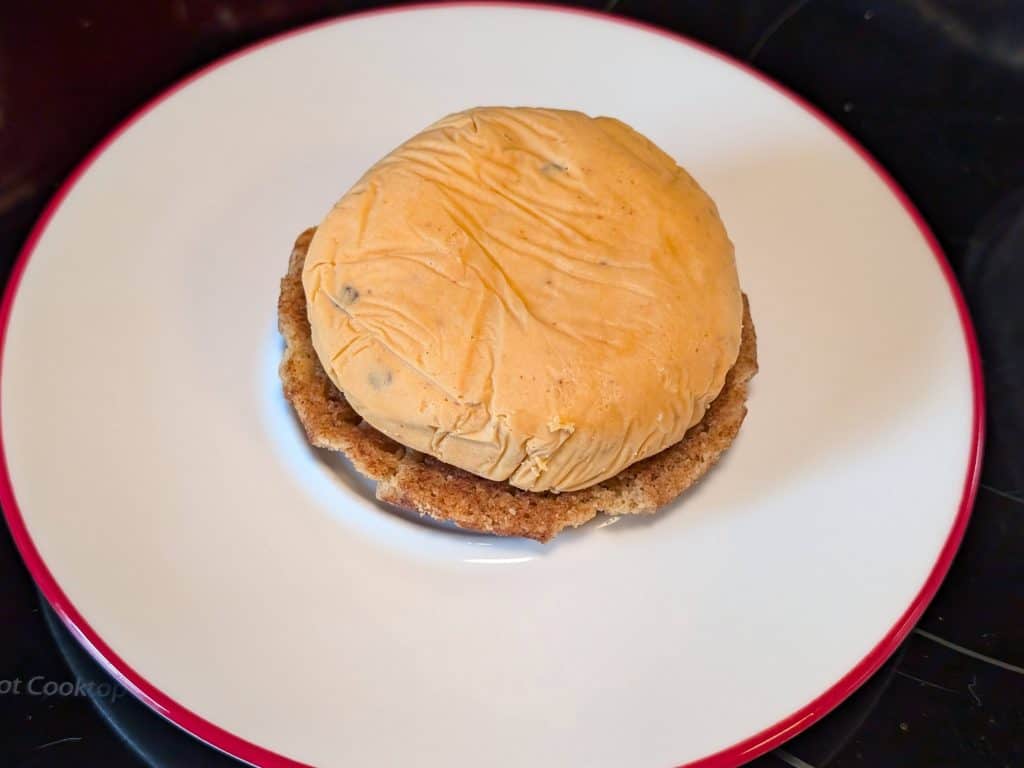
pixel 532 295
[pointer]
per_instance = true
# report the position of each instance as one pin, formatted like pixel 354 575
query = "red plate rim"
pixel 729 757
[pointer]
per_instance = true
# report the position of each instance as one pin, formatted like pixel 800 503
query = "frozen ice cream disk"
pixel 534 296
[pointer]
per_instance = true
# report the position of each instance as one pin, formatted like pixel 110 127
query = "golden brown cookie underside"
pixel 408 479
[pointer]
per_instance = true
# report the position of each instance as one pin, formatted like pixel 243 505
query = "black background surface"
pixel 934 89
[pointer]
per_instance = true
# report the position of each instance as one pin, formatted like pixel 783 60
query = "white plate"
pixel 250 590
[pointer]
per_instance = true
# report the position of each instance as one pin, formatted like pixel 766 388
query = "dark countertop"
pixel 933 88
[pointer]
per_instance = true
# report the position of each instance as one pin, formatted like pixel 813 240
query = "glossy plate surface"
pixel 249 588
